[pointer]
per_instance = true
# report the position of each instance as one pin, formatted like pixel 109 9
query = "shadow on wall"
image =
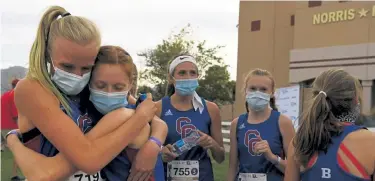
pixel 367 120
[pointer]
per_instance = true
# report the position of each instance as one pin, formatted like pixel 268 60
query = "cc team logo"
pixel 251 137
pixel 84 123
pixel 184 126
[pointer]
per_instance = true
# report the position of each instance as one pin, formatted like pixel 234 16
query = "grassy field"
pixel 220 171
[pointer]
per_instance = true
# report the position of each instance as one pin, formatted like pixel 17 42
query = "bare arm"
pixel 162 135
pixel 131 100
pixel 159 129
pixel 36 166
pixel 87 155
pixel 292 170
pixel 287 132
pixel 58 167
pixel 217 150
pixel 32 164
pixel 233 160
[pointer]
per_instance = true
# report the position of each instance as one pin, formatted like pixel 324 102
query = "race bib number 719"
pixel 81 176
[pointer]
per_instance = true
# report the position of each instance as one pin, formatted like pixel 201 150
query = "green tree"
pixel 217 86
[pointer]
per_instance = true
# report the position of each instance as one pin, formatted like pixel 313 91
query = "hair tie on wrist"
pixel 155 140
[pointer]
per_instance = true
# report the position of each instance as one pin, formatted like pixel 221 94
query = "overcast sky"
pixel 135 25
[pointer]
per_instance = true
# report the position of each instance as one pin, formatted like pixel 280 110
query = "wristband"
pixel 19 135
pixel 155 140
pixel 278 160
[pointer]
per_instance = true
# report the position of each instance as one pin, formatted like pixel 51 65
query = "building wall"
pixel 332 35
pixel 226 112
pixel 267 48
pixel 337 32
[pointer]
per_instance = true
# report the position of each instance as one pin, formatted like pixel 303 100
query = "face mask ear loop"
pixel 50 65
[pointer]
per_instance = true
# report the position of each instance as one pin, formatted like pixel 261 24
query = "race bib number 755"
pixel 81 176
pixel 183 170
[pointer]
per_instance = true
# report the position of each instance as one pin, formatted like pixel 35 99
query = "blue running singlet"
pixel 180 123
pixel 250 162
pixel 119 168
pixel 327 166
pixel 85 123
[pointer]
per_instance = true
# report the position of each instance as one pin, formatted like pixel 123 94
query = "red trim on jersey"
pixel 342 163
pixel 312 160
pixel 354 160
pixel 347 123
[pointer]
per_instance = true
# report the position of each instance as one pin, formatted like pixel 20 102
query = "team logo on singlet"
pixel 251 137
pixel 84 122
pixel 184 126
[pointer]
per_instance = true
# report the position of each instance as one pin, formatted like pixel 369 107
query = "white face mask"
pixel 70 84
pixel 257 100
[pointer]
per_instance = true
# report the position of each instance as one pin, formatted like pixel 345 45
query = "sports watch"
pixel 19 135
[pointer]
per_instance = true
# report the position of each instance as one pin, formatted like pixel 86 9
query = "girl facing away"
pixel 260 137
pixel 61 61
pixel 328 145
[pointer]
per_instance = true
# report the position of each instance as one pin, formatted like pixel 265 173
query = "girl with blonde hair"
pixel 61 60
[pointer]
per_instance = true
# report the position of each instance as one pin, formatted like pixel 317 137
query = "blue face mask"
pixel 257 101
pixel 106 102
pixel 186 87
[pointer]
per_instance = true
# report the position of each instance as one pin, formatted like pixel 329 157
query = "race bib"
pixel 183 170
pixel 252 177
pixel 81 176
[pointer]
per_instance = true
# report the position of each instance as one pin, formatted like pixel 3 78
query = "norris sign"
pixel 342 15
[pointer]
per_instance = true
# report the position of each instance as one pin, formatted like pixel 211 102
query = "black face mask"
pixel 350 116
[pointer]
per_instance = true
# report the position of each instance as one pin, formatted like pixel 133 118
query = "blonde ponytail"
pixel 74 28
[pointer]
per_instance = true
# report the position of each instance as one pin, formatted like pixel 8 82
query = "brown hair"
pixel 334 92
pixel 14 82
pixel 261 72
pixel 116 55
pixel 133 91
pixel 74 28
pixel 109 55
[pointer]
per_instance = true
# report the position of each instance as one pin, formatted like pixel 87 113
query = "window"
pixel 314 3
pixel 292 20
pixel 255 25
